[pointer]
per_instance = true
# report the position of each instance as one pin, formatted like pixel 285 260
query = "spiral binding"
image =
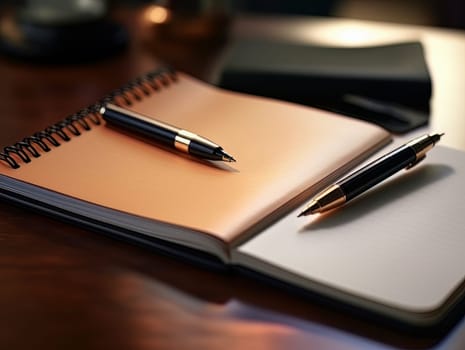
pixel 83 120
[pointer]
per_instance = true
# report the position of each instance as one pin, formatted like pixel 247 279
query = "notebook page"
pixel 400 244
pixel 281 150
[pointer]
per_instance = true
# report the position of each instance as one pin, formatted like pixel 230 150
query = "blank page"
pixel 400 245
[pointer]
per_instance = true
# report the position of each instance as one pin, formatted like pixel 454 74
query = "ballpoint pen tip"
pixel 227 158
pixel 436 137
pixel 312 208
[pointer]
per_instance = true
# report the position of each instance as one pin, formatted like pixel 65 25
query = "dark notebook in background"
pixel 388 85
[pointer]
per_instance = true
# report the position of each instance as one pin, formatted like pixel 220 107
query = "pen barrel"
pixel 377 171
pixel 182 140
pixel 162 134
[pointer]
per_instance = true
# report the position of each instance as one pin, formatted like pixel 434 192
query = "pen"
pixel 406 156
pixel 182 140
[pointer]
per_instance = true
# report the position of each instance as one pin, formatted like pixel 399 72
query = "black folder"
pixel 388 85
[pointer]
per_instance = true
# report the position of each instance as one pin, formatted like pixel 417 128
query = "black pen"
pixel 341 192
pixel 183 140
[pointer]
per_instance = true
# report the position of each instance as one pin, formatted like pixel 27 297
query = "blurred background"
pixel 80 30
pixel 444 13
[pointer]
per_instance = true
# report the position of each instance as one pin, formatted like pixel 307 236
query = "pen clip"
pixel 418 160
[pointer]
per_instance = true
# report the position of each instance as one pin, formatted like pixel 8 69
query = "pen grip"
pixel 165 136
pixel 377 171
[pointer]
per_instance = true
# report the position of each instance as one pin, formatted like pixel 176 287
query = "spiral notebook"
pixel 86 172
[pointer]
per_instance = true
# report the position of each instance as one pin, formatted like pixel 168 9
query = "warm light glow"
pixel 350 33
pixel 157 14
pixel 345 34
pixel 353 35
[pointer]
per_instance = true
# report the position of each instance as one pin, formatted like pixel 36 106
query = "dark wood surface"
pixel 63 287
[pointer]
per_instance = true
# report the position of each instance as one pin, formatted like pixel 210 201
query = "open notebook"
pixel 119 184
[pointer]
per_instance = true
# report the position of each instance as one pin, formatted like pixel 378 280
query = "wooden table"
pixel 62 287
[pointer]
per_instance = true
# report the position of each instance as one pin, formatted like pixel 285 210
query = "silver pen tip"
pixel 226 157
